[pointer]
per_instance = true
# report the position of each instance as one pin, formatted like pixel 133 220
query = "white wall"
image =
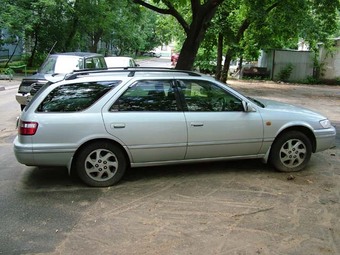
pixel 331 62
pixel 277 60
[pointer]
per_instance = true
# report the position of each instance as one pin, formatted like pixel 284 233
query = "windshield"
pixel 61 64
pixel 257 102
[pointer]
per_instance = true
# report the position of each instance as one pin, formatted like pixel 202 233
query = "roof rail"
pixel 130 70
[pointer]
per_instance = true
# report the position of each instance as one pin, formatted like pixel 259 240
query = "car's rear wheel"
pixel 291 152
pixel 101 164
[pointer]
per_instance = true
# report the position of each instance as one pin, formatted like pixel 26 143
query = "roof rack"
pixel 130 70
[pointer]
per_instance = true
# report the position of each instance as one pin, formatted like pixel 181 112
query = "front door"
pixel 217 124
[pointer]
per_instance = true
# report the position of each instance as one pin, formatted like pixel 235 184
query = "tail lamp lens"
pixel 27 127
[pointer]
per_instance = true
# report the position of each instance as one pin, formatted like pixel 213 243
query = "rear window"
pixel 75 97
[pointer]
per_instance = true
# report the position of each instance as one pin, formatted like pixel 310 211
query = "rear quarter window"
pixel 75 97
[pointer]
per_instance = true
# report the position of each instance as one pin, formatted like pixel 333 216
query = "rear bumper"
pixel 25 154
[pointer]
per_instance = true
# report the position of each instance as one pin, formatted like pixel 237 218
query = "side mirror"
pixel 248 107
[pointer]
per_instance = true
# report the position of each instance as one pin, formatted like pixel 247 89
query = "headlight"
pixel 325 123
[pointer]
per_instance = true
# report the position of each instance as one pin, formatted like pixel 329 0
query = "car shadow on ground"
pixel 57 178
pixel 196 170
pixel 52 178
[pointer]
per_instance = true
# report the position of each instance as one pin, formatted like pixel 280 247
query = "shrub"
pixel 285 73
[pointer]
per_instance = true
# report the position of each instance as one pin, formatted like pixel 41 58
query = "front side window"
pixel 204 96
pixel 75 97
pixel 147 95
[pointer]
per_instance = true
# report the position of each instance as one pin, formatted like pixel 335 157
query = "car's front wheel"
pixel 101 164
pixel 291 152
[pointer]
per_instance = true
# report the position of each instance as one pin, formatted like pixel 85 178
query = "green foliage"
pixel 206 60
pixel 81 25
pixel 285 73
pixel 37 61
pixel 125 27
pixel 310 80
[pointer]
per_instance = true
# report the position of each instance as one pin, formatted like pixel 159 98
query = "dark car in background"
pixel 61 63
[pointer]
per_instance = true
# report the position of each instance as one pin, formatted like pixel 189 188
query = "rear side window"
pixel 147 95
pixel 75 97
pixel 93 63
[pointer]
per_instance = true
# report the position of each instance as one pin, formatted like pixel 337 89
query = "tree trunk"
pixel 34 50
pixel 189 49
pixel 72 33
pixel 95 40
pixel 228 57
pixel 202 15
pixel 15 49
pixel 219 56
pixel 73 27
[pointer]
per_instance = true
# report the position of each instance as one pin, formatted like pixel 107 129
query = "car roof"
pixel 133 71
pixel 127 72
pixel 78 54
pixel 118 61
pixel 120 57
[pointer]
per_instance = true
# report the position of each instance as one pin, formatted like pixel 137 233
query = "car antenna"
pixel 49 53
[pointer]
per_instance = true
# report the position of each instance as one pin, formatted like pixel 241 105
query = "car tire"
pixel 291 152
pixel 101 164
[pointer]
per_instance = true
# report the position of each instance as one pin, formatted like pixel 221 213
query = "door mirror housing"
pixel 248 107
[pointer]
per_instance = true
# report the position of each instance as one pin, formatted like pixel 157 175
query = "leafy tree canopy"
pixel 208 29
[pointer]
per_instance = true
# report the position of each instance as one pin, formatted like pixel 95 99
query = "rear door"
pixel 147 119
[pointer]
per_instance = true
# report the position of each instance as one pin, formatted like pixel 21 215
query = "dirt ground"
pixel 321 98
pixel 239 207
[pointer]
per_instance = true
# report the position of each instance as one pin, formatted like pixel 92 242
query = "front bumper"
pixel 325 138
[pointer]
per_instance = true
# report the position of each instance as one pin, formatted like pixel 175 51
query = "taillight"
pixel 27 127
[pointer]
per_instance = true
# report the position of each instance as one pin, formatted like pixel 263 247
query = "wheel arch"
pixel 305 130
pixel 75 156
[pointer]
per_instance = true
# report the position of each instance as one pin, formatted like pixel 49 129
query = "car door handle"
pixel 196 124
pixel 118 125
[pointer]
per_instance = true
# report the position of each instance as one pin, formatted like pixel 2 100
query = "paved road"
pixel 221 208
pixel 37 206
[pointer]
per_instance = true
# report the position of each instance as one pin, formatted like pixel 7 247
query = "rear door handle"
pixel 118 125
pixel 196 124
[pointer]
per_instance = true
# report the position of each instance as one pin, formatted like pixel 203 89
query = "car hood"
pixel 36 76
pixel 273 105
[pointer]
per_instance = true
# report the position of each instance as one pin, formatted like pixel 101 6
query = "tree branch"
pixel 152 7
pixel 170 11
pixel 247 22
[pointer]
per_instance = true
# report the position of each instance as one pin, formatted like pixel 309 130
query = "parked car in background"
pixel 99 123
pixel 120 62
pixel 152 54
pixel 174 59
pixel 61 63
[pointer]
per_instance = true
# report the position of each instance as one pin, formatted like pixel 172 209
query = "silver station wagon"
pixel 99 123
